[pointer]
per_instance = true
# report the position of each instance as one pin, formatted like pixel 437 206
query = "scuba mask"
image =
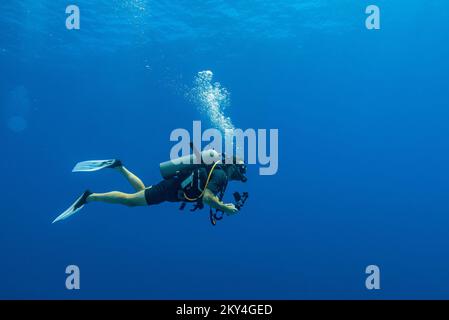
pixel 237 172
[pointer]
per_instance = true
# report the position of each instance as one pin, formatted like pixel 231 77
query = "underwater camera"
pixel 240 199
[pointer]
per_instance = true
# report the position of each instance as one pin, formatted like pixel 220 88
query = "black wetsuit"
pixel 170 190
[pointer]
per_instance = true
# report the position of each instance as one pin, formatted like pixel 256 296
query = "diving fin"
pixel 95 165
pixel 74 208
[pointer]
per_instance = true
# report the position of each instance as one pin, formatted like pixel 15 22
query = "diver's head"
pixel 235 169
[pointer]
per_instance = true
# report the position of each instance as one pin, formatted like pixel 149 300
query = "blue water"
pixel 363 148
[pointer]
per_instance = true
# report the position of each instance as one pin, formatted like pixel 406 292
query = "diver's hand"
pixel 230 209
pixel 210 199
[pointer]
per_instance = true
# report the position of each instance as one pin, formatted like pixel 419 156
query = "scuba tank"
pixel 194 172
pixel 176 167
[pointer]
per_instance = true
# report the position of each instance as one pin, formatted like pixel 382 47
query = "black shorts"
pixel 166 190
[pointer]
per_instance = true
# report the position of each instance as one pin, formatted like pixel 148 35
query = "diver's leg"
pixel 137 184
pixel 116 197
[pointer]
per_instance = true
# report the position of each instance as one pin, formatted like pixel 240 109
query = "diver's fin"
pixel 74 208
pixel 95 165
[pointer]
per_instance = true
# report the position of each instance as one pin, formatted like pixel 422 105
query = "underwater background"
pixel 363 147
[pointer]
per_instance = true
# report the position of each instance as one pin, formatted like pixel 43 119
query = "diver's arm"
pixel 212 200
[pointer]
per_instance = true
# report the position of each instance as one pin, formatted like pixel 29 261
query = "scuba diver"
pixel 200 178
